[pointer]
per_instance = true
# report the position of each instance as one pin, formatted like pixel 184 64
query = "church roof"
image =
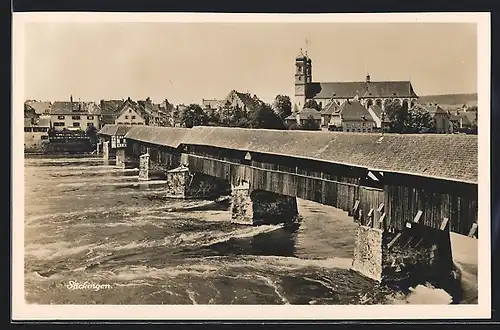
pixel 331 108
pixel 327 90
pixel 354 110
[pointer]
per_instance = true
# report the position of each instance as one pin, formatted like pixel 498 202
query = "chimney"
pixel 367 78
pixel 71 98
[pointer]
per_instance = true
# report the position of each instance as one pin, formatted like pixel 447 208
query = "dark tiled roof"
pixel 69 108
pixel 326 90
pixel 250 102
pixel 163 136
pixel 39 107
pixel 331 108
pixel 354 110
pixel 305 114
pixel 111 106
pixel 433 109
pixel 110 130
pixel 445 156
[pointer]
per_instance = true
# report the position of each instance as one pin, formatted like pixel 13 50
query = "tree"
pixel 214 119
pixel 91 132
pixel 194 115
pixel 404 120
pixel 264 117
pixel 310 124
pixel 418 120
pixel 282 106
pixel 312 104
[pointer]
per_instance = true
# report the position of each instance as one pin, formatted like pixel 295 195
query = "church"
pixel 369 93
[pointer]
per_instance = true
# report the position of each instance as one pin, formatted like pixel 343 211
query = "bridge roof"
pixel 114 130
pixel 443 156
pixel 162 136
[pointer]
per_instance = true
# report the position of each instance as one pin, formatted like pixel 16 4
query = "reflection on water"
pixel 86 221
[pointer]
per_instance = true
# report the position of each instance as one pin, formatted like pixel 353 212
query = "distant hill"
pixel 449 99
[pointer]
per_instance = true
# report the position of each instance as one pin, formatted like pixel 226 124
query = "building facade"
pixel 36 129
pixel 75 115
pixel 368 92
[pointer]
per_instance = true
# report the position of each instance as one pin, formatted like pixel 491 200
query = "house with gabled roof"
pixel 368 92
pixel 301 117
pixel 75 115
pixel 41 108
pixel 441 118
pixel 132 113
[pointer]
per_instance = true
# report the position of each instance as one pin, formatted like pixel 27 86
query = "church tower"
pixel 303 76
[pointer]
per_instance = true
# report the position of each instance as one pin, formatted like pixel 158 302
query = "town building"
pixel 36 127
pixel 368 92
pixel 300 118
pixel 441 118
pixel 75 115
pixel 210 106
pixel 39 107
pixel 109 110
pixel 132 113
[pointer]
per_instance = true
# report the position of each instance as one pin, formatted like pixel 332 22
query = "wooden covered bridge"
pixel 387 182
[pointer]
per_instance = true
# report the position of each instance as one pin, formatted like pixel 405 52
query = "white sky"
pixel 186 62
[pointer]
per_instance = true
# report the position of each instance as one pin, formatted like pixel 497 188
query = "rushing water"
pixel 86 221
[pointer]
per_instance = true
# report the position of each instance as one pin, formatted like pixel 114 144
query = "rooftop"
pixel 444 156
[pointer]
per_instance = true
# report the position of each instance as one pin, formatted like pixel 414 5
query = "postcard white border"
pixel 23 311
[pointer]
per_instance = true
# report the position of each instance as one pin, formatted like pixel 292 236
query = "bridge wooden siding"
pixel 398 202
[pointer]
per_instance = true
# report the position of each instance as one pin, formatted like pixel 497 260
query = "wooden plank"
pixel 417 217
pixel 394 240
pixel 443 224
pixel 472 231
pixel 381 208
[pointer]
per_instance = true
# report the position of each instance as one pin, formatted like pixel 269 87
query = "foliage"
pixel 282 106
pixel 194 115
pixel 264 117
pixel 312 104
pixel 404 120
pixel 91 132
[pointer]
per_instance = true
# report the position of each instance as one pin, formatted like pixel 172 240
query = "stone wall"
pixel 368 252
pixel 105 150
pixel 120 158
pixel 414 256
pixel 144 167
pixel 261 207
pixel 241 205
pixel 181 183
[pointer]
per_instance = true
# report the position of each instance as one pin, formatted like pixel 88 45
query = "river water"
pixel 89 222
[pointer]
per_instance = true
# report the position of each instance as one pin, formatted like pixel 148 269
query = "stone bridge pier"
pixel 405 257
pixel 260 207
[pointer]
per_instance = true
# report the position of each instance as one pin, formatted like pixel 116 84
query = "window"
pixel 90 117
pixel 76 124
pixel 58 124
pixel 44 137
pixel 321 105
pixel 89 124
pixel 129 111
pixel 126 117
pixel 60 117
pixel 75 117
pixel 27 129
pixel 133 117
